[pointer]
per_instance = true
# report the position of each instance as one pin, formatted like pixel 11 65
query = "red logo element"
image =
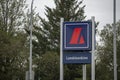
pixel 77 38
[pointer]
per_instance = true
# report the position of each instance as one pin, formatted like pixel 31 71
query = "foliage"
pixel 13 47
pixel 12 56
pixel 105 53
pixel 47 66
pixel 11 15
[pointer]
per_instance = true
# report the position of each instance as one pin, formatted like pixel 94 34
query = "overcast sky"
pixel 101 9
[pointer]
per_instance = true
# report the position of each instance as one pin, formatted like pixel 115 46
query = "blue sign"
pixel 76 57
pixel 77 35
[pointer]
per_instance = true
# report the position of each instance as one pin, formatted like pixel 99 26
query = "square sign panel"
pixel 77 35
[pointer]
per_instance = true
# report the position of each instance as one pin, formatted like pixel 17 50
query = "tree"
pixel 104 65
pixel 48 34
pixel 12 56
pixel 12 40
pixel 48 66
pixel 11 15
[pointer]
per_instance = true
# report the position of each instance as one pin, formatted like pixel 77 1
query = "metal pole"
pixel 93 49
pixel 84 71
pixel 114 40
pixel 31 25
pixel 61 50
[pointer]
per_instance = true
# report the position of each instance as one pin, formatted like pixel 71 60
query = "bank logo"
pixel 76 36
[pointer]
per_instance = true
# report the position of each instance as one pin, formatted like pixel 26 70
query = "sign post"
pixel 27 77
pixel 114 41
pixel 93 49
pixel 84 71
pixel 31 25
pixel 61 49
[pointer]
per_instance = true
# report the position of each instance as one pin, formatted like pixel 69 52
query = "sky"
pixel 101 9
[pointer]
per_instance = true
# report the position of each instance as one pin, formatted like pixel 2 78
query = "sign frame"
pixel 86 27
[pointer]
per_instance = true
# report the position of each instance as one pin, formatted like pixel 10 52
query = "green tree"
pixel 12 56
pixel 48 34
pixel 13 50
pixel 47 66
pixel 11 15
pixel 104 67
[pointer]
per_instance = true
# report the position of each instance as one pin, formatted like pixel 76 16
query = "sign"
pixel 77 57
pixel 77 35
